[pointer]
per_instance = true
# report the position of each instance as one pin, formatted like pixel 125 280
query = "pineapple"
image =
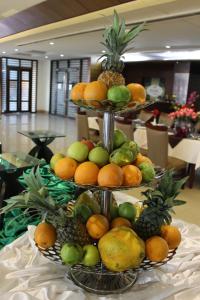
pixel 116 40
pixel 158 206
pixel 37 200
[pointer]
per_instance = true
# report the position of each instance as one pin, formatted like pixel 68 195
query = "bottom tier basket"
pixel 98 279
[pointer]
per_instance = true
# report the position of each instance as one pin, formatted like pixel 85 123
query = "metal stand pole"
pixel 108 132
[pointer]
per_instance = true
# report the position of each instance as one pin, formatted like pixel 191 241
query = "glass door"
pixel 18 90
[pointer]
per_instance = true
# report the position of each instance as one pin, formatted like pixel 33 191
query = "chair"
pixel 82 125
pixel 157 142
pixel 126 126
pixel 145 115
pixel 165 119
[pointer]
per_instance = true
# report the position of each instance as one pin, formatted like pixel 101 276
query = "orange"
pixel 95 90
pixel 156 248
pixel 140 159
pixel 77 92
pixel 110 175
pixel 119 221
pixel 86 173
pixel 97 225
pixel 131 175
pixel 65 168
pixel 172 235
pixel 45 235
pixel 138 92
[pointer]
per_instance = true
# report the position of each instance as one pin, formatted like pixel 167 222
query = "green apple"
pixel 119 138
pixel 119 93
pixel 55 158
pixel 71 253
pixel 90 255
pixel 99 156
pixel 78 151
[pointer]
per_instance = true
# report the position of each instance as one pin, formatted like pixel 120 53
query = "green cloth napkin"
pixel 15 222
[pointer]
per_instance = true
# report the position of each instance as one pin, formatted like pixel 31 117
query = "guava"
pixel 131 145
pixel 119 138
pixel 148 172
pixel 121 157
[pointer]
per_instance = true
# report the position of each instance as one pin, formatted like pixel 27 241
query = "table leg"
pixel 191 173
pixel 41 150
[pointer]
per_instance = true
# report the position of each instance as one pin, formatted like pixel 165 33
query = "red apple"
pixel 88 143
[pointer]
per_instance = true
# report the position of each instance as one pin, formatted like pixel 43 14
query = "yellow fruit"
pixel 86 173
pixel 45 235
pixel 95 90
pixel 156 248
pixel 121 249
pixel 97 225
pixel 138 92
pixel 77 92
pixel 131 175
pixel 65 168
pixel 140 159
pixel 120 221
pixel 172 235
pixel 110 175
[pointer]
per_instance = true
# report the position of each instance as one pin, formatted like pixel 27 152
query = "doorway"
pixel 19 90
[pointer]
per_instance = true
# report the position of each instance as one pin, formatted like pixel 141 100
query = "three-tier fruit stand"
pixel 98 279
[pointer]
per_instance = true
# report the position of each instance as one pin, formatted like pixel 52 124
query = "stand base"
pixel 103 283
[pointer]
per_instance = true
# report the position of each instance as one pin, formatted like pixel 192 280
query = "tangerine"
pixel 65 168
pixel 156 248
pixel 95 90
pixel 138 92
pixel 171 235
pixel 45 235
pixel 119 221
pixel 110 175
pixel 77 92
pixel 97 225
pixel 140 159
pixel 86 173
pixel 131 175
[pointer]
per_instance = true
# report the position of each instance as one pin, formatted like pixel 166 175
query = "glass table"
pixel 41 138
pixel 12 166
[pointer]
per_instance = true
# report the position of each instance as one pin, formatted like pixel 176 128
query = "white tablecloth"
pixel 187 149
pixel 27 275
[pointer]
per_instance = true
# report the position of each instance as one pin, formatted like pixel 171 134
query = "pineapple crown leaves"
pixel 36 197
pixel 163 198
pixel 116 39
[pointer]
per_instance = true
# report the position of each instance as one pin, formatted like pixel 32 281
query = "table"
pixel 12 166
pixel 27 275
pixel 41 138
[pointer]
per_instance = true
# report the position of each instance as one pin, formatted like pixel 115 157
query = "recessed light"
pixel 168 46
pixel 61 55
pixel 51 43
pixel 46 56
pixel 16 49
pixel 3 52
pixel 103 51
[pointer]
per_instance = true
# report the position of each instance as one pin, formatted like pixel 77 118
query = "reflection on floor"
pixel 13 141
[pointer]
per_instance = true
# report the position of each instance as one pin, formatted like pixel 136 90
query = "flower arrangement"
pixel 184 114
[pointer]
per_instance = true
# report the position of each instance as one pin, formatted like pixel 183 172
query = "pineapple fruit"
pixel 158 205
pixel 116 40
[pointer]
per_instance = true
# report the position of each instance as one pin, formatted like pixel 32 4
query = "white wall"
pixel 43 88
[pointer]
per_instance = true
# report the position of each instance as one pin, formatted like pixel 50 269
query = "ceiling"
pixel 170 22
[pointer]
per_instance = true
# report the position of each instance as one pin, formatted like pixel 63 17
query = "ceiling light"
pixel 16 49
pixel 61 55
pixel 46 56
pixel 3 52
pixel 167 46
pixel 103 51
pixel 51 43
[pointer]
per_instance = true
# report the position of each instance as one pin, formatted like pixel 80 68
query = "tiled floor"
pixel 13 141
